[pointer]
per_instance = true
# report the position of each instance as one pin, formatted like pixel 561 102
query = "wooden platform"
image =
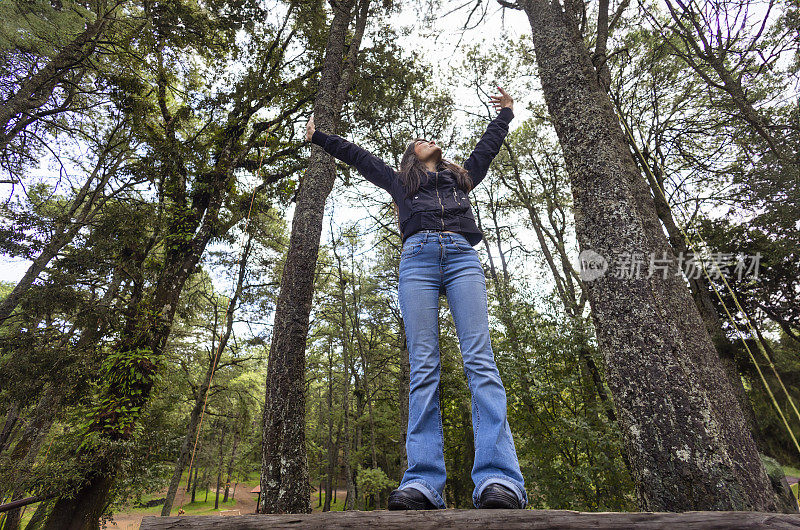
pixel 463 518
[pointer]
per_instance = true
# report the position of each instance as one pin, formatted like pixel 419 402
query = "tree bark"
pixel 684 431
pixel 191 431
pixel 701 293
pixel 372 444
pixel 38 517
pixel 284 467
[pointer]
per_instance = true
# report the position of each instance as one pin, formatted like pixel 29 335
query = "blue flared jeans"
pixel 433 263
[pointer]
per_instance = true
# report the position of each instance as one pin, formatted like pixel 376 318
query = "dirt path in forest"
pixel 245 504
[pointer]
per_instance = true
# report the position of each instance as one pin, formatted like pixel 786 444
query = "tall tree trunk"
pixel 230 465
pixel 333 451
pixel 9 422
pixel 186 446
pixel 372 443
pixel 85 509
pixel 141 346
pixel 194 417
pixel 37 519
pixel 405 389
pixel 363 347
pixel 348 472
pixel 193 221
pixel 194 483
pixel 189 480
pixel 284 466
pixel 336 468
pixel 359 393
pixel 701 292
pixel 27 447
pixel 204 481
pixel 219 466
pixel 685 434
pixel 344 328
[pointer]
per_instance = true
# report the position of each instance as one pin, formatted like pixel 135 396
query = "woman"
pixel 438 231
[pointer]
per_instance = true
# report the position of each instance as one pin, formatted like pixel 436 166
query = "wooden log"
pixel 471 518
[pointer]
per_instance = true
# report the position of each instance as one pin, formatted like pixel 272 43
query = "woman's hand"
pixel 503 100
pixel 310 128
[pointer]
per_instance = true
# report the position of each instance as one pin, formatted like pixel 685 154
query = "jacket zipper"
pixel 456 197
pixel 440 199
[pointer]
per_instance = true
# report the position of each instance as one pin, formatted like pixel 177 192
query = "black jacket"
pixel 438 203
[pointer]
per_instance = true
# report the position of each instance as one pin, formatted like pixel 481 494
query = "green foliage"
pixel 38 27
pixel 372 480
pixel 129 375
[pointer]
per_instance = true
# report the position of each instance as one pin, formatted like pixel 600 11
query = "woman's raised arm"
pixel 492 140
pixel 370 166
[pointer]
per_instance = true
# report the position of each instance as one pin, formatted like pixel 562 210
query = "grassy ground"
pixel 244 503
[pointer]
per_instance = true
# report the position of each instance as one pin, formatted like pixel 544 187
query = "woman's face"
pixel 428 151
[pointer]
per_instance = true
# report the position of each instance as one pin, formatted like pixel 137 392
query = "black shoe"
pixel 498 496
pixel 409 499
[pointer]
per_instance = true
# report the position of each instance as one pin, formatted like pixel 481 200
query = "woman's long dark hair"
pixel 412 170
